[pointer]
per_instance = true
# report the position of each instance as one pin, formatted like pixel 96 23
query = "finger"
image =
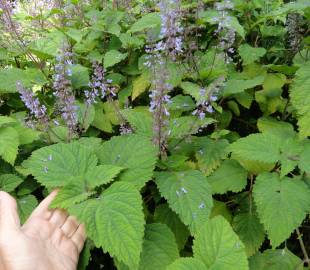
pixel 70 226
pixel 58 218
pixel 79 237
pixel 42 209
pixel 9 218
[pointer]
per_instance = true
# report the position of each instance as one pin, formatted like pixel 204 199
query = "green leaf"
pixel 188 194
pixel 220 209
pixel 113 57
pixel 230 176
pixel 217 245
pixel 9 142
pixel 234 86
pixel 187 264
pixel 159 247
pixel 275 260
pixel 80 76
pixel 276 127
pixel 135 153
pixel 86 115
pixel 26 205
pixel 237 26
pixel 140 85
pixel 163 214
pixel 210 154
pixel 192 89
pixel 8 182
pixel 6 120
pixel 278 207
pixel 57 164
pixel 149 20
pixel 300 98
pixel 304 162
pixel 250 54
pixel 250 231
pixel 115 222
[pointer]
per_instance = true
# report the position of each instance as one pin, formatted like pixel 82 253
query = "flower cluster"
pixel 99 85
pixel 224 29
pixel 207 96
pixel 63 88
pixel 171 30
pixel 293 28
pixel 37 111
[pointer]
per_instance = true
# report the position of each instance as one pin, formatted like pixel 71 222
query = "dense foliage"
pixel 177 131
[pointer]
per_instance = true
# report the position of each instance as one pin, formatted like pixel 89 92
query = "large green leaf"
pixel 250 231
pixel 300 98
pixel 9 141
pixel 250 54
pixel 149 20
pixel 159 247
pixel 113 57
pixel 115 222
pixel 134 153
pixel 163 214
pixel 189 194
pixel 26 205
pixel 57 164
pixel 8 182
pixel 234 86
pixel 187 264
pixel 230 176
pixel 217 245
pixel 140 85
pixel 282 204
pixel 6 120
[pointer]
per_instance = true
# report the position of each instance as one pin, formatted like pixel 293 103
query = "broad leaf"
pixel 134 153
pixel 8 182
pixel 9 141
pixel 140 85
pixel 217 245
pixel 187 264
pixel 113 57
pixel 115 222
pixel 234 86
pixel 250 54
pixel 159 247
pixel 150 20
pixel 278 207
pixel 26 205
pixel 188 194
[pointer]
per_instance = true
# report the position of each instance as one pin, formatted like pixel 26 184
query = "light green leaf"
pixel 230 176
pixel 135 153
pixel 140 85
pixel 188 194
pixel 163 214
pixel 278 207
pixel 300 98
pixel 159 247
pixel 113 57
pixel 234 86
pixel 220 209
pixel 250 54
pixel 26 135
pixel 55 165
pixel 217 245
pixel 8 182
pixel 9 142
pixel 187 264
pixel 6 120
pixel 304 162
pixel 191 89
pixel 250 231
pixel 86 115
pixel 80 76
pixel 237 26
pixel 149 20
pixel 276 127
pixel 115 222
pixel 26 205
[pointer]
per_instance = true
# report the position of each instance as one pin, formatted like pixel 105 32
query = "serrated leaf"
pixel 115 222
pixel 210 154
pixel 149 20
pixel 163 214
pixel 188 194
pixel 278 128
pixel 159 247
pixel 140 85
pixel 230 176
pixel 304 161
pixel 278 207
pixel 187 264
pixel 55 165
pixel 6 120
pixel 217 245
pixel 300 98
pixel 234 86
pixel 250 231
pixel 9 141
pixel 220 209
pixel 8 182
pixel 113 57
pixel 275 260
pixel 250 54
pixel 192 89
pixel 134 153
pixel 80 76
pixel 26 205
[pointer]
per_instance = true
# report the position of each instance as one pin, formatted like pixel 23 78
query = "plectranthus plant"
pixel 176 131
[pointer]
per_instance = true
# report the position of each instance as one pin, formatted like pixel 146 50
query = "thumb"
pixel 9 218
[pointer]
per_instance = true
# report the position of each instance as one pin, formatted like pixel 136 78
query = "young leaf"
pixel 159 247
pixel 55 165
pixel 115 222
pixel 230 176
pixel 187 264
pixel 217 245
pixel 188 194
pixel 279 207
pixel 135 153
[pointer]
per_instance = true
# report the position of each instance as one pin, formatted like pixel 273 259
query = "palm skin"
pixel 49 240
